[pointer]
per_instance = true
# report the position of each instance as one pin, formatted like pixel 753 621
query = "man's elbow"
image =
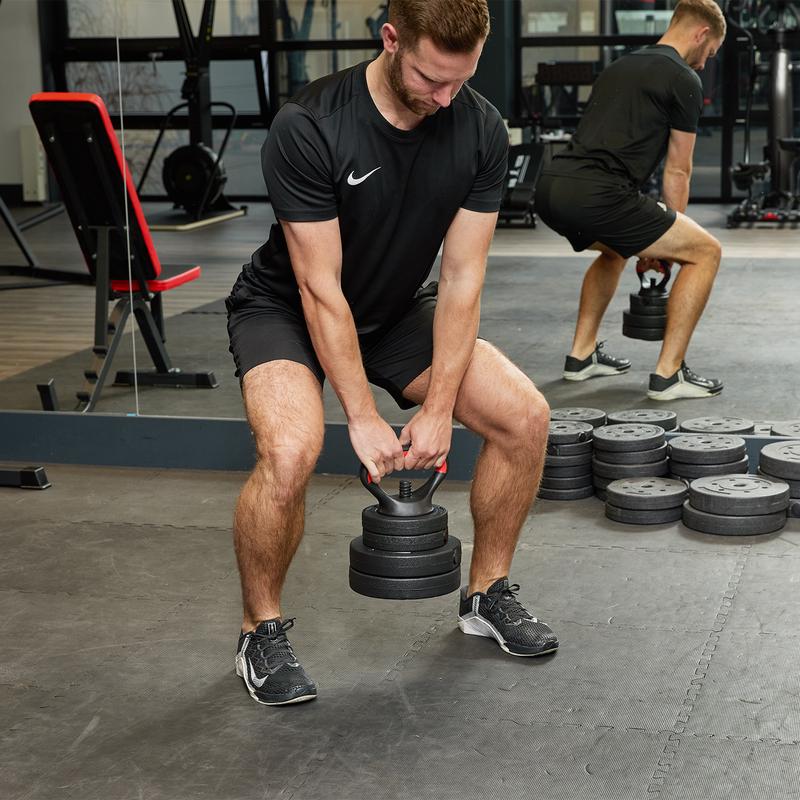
pixel 678 173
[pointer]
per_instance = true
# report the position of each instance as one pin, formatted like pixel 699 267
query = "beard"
pixel 394 77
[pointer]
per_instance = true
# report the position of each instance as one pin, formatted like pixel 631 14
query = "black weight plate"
pixel 372 520
pixel 564 431
pixel 738 495
pixel 647 494
pixel 558 462
pixel 567 483
pixel 643 320
pixel 567 472
pixel 404 544
pixel 638 517
pixel 637 457
pixel 593 416
pixel 707 449
pixel 655 304
pixel 668 420
pixel 628 438
pixel 405 565
pixel 405 588
pixel 692 471
pixel 781 459
pixel 565 494
pixel 725 525
pixel 599 482
pixel 601 494
pixel 645 334
pixel 718 425
pixel 618 471
pixel 794 509
pixel 578 448
pixel 786 429
pixel 794 486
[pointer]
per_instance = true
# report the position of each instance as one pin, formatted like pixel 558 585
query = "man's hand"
pixel 429 434
pixel 377 446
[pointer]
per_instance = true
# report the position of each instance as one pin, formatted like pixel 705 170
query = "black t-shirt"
pixel 635 102
pixel 330 153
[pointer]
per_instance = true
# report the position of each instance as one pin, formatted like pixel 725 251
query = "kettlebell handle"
pixel 664 268
pixel 418 503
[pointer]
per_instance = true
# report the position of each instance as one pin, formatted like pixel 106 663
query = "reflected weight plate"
pixel 405 588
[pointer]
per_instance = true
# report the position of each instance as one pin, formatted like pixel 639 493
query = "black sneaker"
pixel 683 384
pixel 499 614
pixel 594 366
pixel 269 668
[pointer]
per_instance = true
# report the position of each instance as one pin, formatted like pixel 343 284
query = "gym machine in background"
pixel 764 26
pixel 194 175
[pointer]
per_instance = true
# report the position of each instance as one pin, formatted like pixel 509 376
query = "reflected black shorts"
pixel 588 211
pixel 263 329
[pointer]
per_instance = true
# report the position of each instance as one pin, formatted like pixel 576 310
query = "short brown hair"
pixel 457 26
pixel 706 11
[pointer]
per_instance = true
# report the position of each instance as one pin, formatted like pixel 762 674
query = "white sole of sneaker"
pixel 593 371
pixel 240 671
pixel 682 391
pixel 477 626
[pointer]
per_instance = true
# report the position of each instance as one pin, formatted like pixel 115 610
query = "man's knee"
pixel 287 466
pixel 526 422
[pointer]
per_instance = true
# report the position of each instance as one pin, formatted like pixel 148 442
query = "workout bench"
pixel 83 151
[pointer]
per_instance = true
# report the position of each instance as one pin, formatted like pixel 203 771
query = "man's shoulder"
pixel 474 102
pixel 325 96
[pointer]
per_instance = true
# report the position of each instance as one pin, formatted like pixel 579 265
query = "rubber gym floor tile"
pixel 106 560
pixel 720 769
pixel 389 751
pixel 766 598
pixel 594 678
pixel 592 585
pixel 751 688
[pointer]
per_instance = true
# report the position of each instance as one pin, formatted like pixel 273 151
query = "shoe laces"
pixel 275 647
pixel 600 345
pixel 690 374
pixel 505 601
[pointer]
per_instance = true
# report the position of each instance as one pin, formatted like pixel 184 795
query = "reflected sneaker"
pixel 683 384
pixel 499 615
pixel 267 664
pixel 594 366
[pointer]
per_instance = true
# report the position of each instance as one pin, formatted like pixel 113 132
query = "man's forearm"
pixel 675 189
pixel 455 329
pixel 333 334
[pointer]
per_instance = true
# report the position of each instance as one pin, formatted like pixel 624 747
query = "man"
pixel 369 172
pixel 643 107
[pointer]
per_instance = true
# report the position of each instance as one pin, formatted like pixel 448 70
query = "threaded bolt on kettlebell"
pixel 405 490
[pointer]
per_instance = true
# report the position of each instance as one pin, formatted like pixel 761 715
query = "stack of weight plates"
pixel 645 501
pixel 668 420
pixel 780 462
pixel 404 558
pixel 791 429
pixel 736 505
pixel 568 463
pixel 701 456
pixel 627 451
pixel 594 416
pixel 647 318
pixel 730 425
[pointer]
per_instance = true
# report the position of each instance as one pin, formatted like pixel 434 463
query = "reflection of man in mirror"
pixel 643 107
pixel 370 171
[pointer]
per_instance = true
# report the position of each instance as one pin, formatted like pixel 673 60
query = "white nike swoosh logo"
pixel 259 682
pixel 353 181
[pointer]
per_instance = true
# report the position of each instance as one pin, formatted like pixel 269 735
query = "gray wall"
pixel 20 77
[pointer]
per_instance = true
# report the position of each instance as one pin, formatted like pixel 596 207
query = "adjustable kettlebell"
pixel 405 551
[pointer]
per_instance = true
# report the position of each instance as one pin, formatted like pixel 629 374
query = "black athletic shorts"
pixel 588 211
pixel 263 329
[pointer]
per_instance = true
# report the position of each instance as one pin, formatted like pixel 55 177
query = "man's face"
pixel 706 47
pixel 426 79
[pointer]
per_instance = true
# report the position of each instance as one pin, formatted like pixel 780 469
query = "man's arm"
pixel 678 170
pixel 315 249
pixel 455 328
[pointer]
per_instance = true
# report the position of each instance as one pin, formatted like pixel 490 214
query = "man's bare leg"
pixel 499 403
pixel 599 285
pixel 283 401
pixel 699 254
